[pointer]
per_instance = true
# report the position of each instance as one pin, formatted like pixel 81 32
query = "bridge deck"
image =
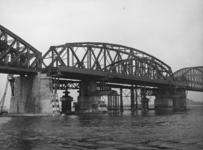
pixel 191 89
pixel 86 74
pixel 15 70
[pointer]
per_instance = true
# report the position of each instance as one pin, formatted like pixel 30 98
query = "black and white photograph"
pixel 101 74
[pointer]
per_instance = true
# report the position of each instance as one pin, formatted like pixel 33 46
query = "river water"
pixel 141 130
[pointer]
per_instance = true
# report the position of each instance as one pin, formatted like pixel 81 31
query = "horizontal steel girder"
pixel 85 74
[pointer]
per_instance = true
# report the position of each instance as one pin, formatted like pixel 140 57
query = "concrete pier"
pixel 145 103
pixel 163 102
pixel 85 100
pixel 179 103
pixel 114 101
pixel 32 95
pixel 90 96
pixel 121 100
pixel 173 101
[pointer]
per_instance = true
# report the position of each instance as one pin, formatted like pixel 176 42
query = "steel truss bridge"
pixel 192 77
pixel 16 55
pixel 112 64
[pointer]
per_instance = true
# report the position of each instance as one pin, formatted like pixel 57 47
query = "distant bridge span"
pixel 192 77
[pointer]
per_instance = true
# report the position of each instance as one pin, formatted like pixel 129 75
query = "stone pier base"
pixel 89 97
pixel 88 102
pixel 174 101
pixel 32 95
pixel 163 103
pixel 179 103
pixel 85 100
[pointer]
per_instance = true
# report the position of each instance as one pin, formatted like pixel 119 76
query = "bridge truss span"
pixel 16 55
pixel 108 58
pixel 191 76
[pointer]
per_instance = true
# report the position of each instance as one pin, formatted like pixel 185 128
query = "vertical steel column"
pixel 119 66
pixel 73 63
pixel 132 99
pixel 52 56
pixel 136 97
pixel 68 53
pixel 105 57
pixel 88 57
pixel 121 99
pixel 142 98
pixel 110 103
pixel 28 55
pixel 130 69
pixel 118 106
pixel 116 102
pixel 113 104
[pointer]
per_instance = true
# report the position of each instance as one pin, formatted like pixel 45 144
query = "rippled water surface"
pixel 141 130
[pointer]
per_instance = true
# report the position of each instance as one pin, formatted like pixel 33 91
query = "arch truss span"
pixel 191 76
pixel 17 54
pixel 109 58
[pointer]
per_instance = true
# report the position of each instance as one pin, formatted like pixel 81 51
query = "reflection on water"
pixel 138 130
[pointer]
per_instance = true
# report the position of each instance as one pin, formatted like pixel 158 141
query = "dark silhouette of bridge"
pixel 107 64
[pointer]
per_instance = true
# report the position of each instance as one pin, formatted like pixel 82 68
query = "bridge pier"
pixel 179 103
pixel 88 100
pixel 121 100
pixel 145 103
pixel 113 102
pixel 89 95
pixel 32 95
pixel 170 101
pixel 163 102
pixel 132 99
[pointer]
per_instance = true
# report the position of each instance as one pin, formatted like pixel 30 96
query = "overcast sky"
pixel 171 30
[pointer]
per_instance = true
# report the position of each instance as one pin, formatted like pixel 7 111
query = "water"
pixel 149 130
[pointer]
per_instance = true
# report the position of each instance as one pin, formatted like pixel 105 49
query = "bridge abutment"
pixel 32 95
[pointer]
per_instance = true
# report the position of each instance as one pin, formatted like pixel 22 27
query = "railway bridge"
pixel 95 69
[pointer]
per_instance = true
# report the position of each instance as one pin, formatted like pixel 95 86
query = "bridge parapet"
pixel 191 77
pixel 105 57
pixel 16 55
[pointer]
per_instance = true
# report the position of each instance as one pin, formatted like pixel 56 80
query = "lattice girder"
pixel 15 52
pixel 109 58
pixel 192 76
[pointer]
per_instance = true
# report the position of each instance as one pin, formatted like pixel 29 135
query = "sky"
pixel 171 30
